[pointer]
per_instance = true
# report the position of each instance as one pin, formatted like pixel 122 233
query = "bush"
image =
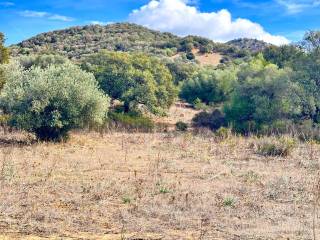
pixel 181 126
pixel 223 132
pixel 190 56
pixel 263 94
pixel 42 61
pixel 275 147
pixel 131 122
pixel 135 79
pixel 50 102
pixel 209 85
pixel 213 120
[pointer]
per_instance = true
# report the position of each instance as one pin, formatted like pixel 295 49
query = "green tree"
pixel 209 85
pixel 50 102
pixel 4 58
pixel 136 79
pixel 264 94
pixel 42 60
pixel 283 55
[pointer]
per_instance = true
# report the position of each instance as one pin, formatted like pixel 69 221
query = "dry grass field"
pixel 154 186
pixel 212 59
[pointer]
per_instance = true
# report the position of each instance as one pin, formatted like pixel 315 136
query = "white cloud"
pixel 94 22
pixel 178 17
pixel 50 16
pixel 7 4
pixel 28 13
pixel 297 6
pixel 60 18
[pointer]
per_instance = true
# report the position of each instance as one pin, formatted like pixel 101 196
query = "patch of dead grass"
pixel 179 186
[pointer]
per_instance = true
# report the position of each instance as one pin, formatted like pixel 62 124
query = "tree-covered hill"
pixel 75 42
pixel 251 45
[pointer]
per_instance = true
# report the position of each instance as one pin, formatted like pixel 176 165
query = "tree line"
pixel 267 91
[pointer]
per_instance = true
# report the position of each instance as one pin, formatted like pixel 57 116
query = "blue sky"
pixel 276 21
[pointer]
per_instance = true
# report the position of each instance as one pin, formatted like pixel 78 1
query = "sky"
pixel 274 21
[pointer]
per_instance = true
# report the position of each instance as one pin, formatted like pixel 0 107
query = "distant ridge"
pixel 251 45
pixel 77 41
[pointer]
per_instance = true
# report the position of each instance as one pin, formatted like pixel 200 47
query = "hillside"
pixel 251 45
pixel 75 42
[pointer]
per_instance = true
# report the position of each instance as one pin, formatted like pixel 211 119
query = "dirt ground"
pixel 212 59
pixel 154 186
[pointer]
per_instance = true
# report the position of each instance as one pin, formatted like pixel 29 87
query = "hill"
pixel 75 42
pixel 251 45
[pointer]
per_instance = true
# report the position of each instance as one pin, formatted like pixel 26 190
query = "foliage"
pixel 76 42
pixel 209 85
pixel 181 126
pixel 250 45
pixel 264 93
pixel 42 60
pixel 131 122
pixel 275 147
pixel 283 55
pixel 4 58
pixel 181 71
pixel 50 102
pixel 138 80
pixel 213 120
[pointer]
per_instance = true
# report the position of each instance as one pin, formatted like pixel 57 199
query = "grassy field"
pixel 155 186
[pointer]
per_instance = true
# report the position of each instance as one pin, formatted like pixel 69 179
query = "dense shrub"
pixel 135 79
pixel 4 58
pixel 209 85
pixel 264 94
pixel 131 122
pixel 181 71
pixel 181 126
pixel 213 120
pixel 41 60
pixel 190 56
pixel 50 102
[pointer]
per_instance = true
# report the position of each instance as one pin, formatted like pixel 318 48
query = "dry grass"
pixel 212 59
pixel 154 186
pixel 207 58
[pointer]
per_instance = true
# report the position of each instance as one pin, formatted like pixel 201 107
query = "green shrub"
pixel 209 85
pixel 263 94
pixel 223 132
pixel 50 102
pixel 42 60
pixel 275 146
pixel 135 79
pixel 181 126
pixel 190 56
pixel 131 122
pixel 213 120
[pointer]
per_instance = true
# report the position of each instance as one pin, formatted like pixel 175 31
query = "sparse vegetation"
pixel 275 147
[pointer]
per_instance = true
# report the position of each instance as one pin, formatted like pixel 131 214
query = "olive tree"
pixel 50 102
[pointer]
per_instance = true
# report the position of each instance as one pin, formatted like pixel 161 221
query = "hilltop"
pixel 77 41
pixel 251 45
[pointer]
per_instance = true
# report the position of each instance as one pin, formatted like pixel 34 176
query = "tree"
pixel 283 55
pixel 264 94
pixel 136 79
pixel 4 58
pixel 50 102
pixel 42 60
pixel 209 85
